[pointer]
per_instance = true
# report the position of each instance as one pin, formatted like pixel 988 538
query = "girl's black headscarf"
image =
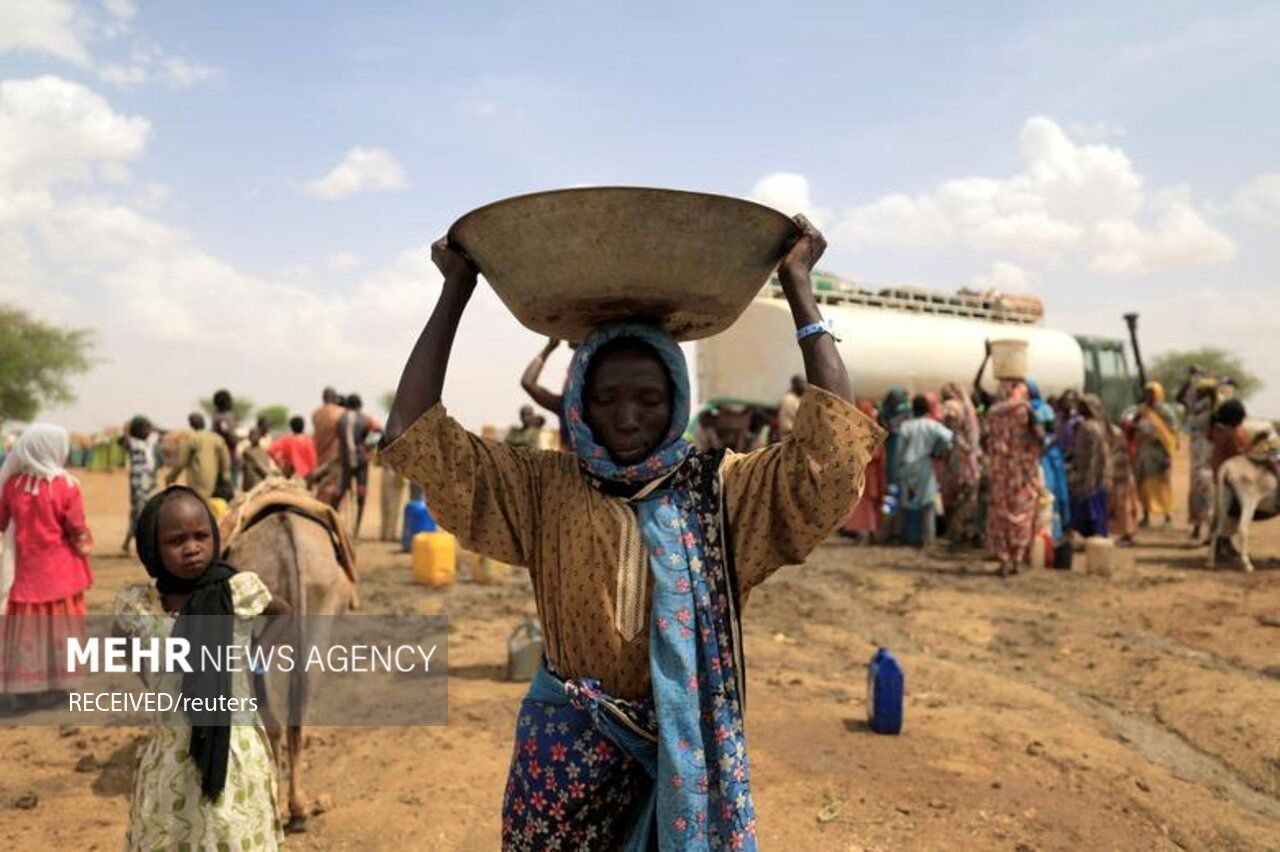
pixel 210 600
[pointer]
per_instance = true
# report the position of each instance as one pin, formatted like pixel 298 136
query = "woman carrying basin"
pixel 642 553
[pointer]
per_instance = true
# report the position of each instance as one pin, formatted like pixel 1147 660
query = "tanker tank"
pixel 884 343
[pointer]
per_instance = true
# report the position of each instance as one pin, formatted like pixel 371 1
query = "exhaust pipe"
pixel 1132 321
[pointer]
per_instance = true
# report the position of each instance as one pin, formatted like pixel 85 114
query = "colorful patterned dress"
pixel 1201 490
pixel 168 810
pixel 1013 460
pixel 1157 442
pixel 961 472
pixel 1122 502
pixel 142 471
pixel 1089 475
pixel 1200 401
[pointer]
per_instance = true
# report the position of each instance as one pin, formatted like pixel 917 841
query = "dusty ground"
pixel 1050 711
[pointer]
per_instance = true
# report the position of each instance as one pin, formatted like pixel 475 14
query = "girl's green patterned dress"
pixel 168 810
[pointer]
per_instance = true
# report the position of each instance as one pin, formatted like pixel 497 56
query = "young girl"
pixel 211 784
pixel 46 548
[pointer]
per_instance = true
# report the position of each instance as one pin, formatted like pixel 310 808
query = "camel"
pixel 1247 485
pixel 297 546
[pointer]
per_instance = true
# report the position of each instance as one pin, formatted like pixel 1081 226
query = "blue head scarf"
pixel 1052 461
pixel 895 408
pixel 595 458
pixel 1040 409
pixel 702 786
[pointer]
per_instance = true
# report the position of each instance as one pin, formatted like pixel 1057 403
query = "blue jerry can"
pixel 885 688
pixel 417 519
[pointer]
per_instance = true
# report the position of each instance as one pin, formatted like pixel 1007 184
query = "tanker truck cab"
pixel 1106 373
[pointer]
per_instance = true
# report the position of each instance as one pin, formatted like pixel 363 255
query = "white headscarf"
pixel 38 456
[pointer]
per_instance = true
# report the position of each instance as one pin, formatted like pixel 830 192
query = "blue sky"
pixel 175 170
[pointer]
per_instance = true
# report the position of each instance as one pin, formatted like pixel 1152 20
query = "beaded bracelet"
pixel 818 327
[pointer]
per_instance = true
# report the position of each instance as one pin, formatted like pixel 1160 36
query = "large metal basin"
pixel 569 260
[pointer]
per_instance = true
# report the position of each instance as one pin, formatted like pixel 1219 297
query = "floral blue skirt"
pixel 582 770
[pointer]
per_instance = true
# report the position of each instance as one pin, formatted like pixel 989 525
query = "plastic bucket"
pixel 524 651
pixel 1099 555
pixel 1009 359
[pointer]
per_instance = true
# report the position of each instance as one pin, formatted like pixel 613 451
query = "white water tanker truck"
pixel 908 338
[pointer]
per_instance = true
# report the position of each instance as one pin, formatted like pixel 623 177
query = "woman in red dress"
pixel 864 520
pixel 46 548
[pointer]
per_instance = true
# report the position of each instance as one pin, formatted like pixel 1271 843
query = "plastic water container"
pixel 885 688
pixel 1009 359
pixel 1063 554
pixel 913 527
pixel 889 506
pixel 1040 554
pixel 417 519
pixel 1099 556
pixel 524 651
pixel 435 559
pixel 219 507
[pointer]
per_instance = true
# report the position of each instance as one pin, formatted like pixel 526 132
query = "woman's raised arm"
pixel 548 399
pixel 823 365
pixel 423 375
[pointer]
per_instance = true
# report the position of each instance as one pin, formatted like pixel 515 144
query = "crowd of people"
pixel 1016 474
pixel 631 698
pixel 219 458
pixel 1015 471
pixel 47 541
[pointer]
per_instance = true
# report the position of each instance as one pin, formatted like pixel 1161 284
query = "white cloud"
pixel 1180 239
pixel 123 75
pixel 53 130
pixel 1067 198
pixel 152 195
pixel 64 30
pixel 789 193
pixel 1258 201
pixel 90 254
pixel 1005 277
pixel 183 74
pixel 343 260
pixel 147 61
pixel 44 26
pixel 18 269
pixel 121 10
pixel 362 170
pixel 899 220
pixel 120 15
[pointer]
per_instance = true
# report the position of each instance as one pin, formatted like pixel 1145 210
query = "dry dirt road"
pixel 1049 711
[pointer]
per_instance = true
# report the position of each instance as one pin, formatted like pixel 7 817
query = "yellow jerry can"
pixel 435 559
pixel 219 508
